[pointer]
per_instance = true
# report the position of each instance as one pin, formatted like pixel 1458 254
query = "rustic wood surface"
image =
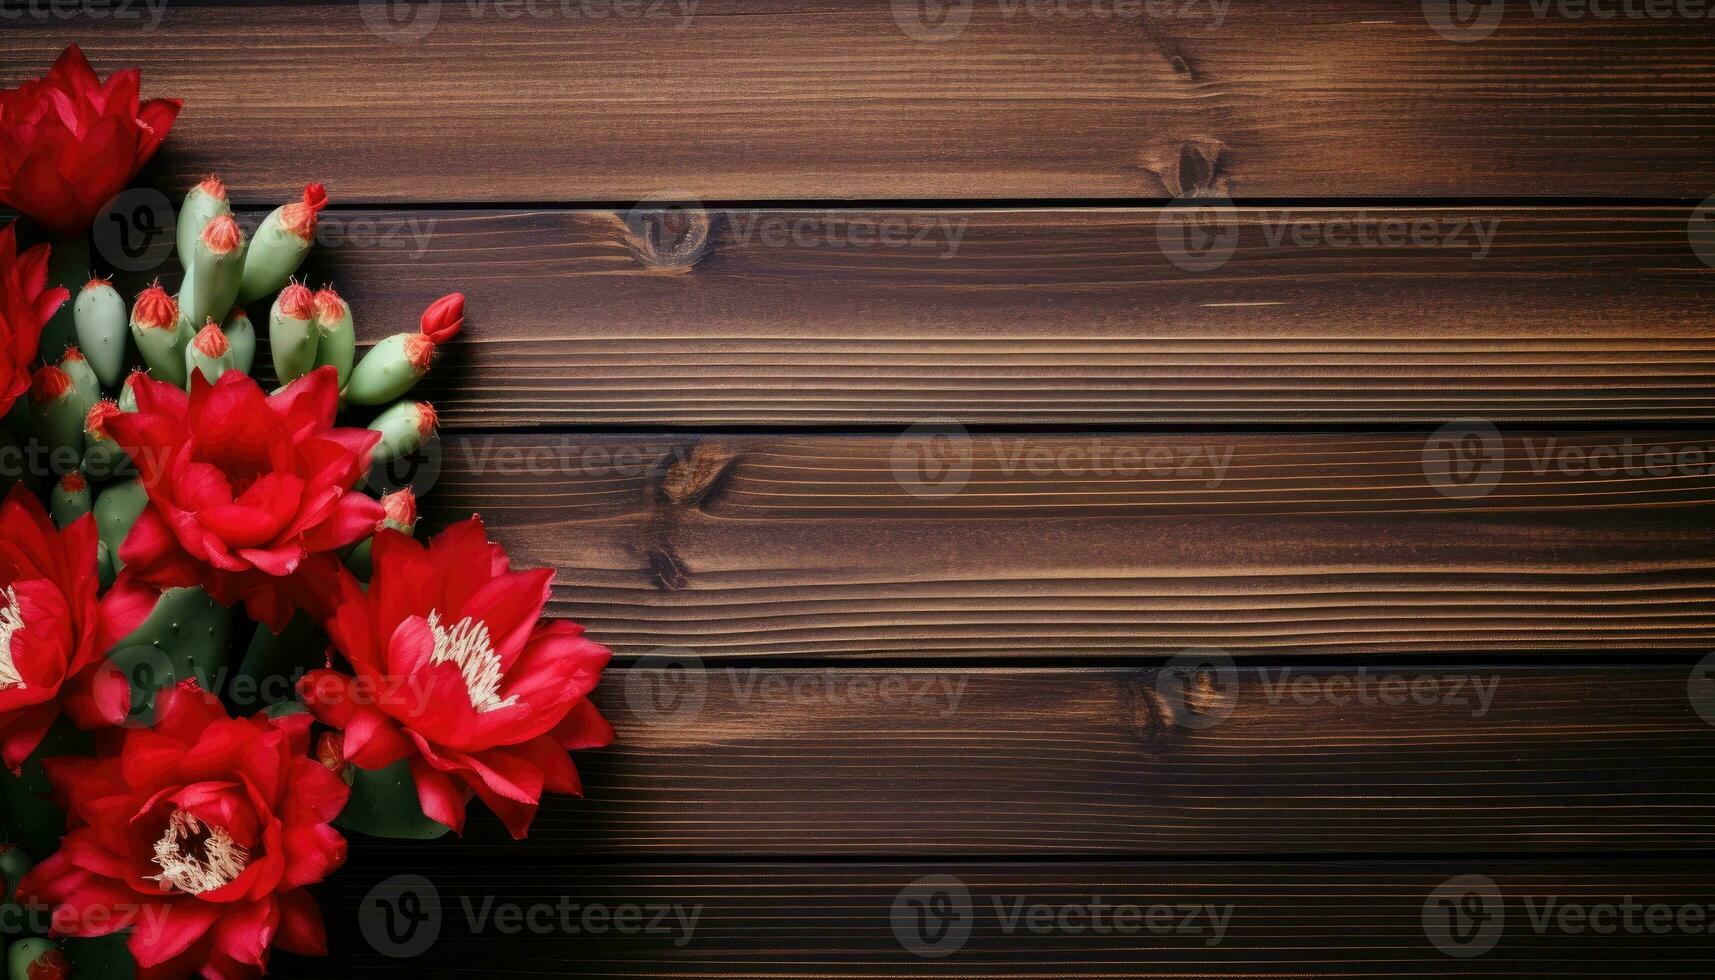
pixel 1104 545
pixel 1042 442
pixel 1392 758
pixel 817 920
pixel 830 99
pixel 757 317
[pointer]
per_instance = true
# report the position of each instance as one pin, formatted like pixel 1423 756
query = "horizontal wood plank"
pixel 1034 920
pixel 1044 317
pixel 1210 758
pixel 820 99
pixel 949 545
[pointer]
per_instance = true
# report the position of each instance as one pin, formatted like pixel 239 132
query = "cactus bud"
pixel 241 334
pixel 338 334
pixel 205 202
pixel 400 508
pixel 102 457
pixel 158 327
pixel 292 336
pixel 14 864
pixel 71 499
pixel 209 354
pixel 128 391
pixel 404 427
pixel 83 379
pixel 116 509
pixel 392 366
pixel 54 411
pixel 216 267
pixel 99 319
pixel 280 244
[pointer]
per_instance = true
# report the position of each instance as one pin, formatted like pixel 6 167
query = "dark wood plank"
pixel 820 921
pixel 1006 546
pixel 779 317
pixel 722 760
pixel 810 99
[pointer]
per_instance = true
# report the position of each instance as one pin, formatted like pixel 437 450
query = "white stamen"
pixel 11 621
pixel 220 863
pixel 468 645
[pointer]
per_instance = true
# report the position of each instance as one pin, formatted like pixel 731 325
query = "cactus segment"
pixel 71 499
pixel 241 334
pixel 292 335
pixel 159 329
pixel 209 354
pixel 337 344
pixel 280 244
pixel 54 411
pixel 205 202
pixel 211 278
pixel 117 507
pixel 99 318
pixel 404 427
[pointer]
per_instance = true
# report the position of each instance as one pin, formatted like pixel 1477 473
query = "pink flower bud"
pixel 210 342
pixel 401 508
pixel 221 236
pixel 444 318
pixel 419 350
pixel 297 302
pixel 49 384
pixel 212 186
pixel 73 482
pixel 95 423
pixel 330 309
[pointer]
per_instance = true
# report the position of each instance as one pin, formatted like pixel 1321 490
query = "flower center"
pixel 468 645
pixel 195 857
pixel 11 621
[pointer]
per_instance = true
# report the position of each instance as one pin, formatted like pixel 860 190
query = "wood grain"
pixel 824 99
pixel 1007 546
pixel 1043 316
pixel 818 920
pixel 722 760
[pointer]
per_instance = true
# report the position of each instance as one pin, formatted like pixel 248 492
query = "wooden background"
pixel 838 673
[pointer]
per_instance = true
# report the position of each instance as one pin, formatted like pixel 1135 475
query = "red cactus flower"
pixel 69 142
pixel 482 697
pixel 249 494
pixel 26 304
pixel 199 835
pixel 54 631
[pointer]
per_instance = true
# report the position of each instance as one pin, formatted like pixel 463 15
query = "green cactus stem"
pixel 211 278
pixel 71 499
pixel 280 244
pixel 192 630
pixel 117 508
pixel 390 369
pixel 205 202
pixel 102 457
pixel 404 427
pixel 292 334
pixel 99 316
pixel 161 334
pixel 241 334
pixel 54 411
pixel 83 378
pixel 384 803
pixel 338 333
pixel 36 959
pixel 209 354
